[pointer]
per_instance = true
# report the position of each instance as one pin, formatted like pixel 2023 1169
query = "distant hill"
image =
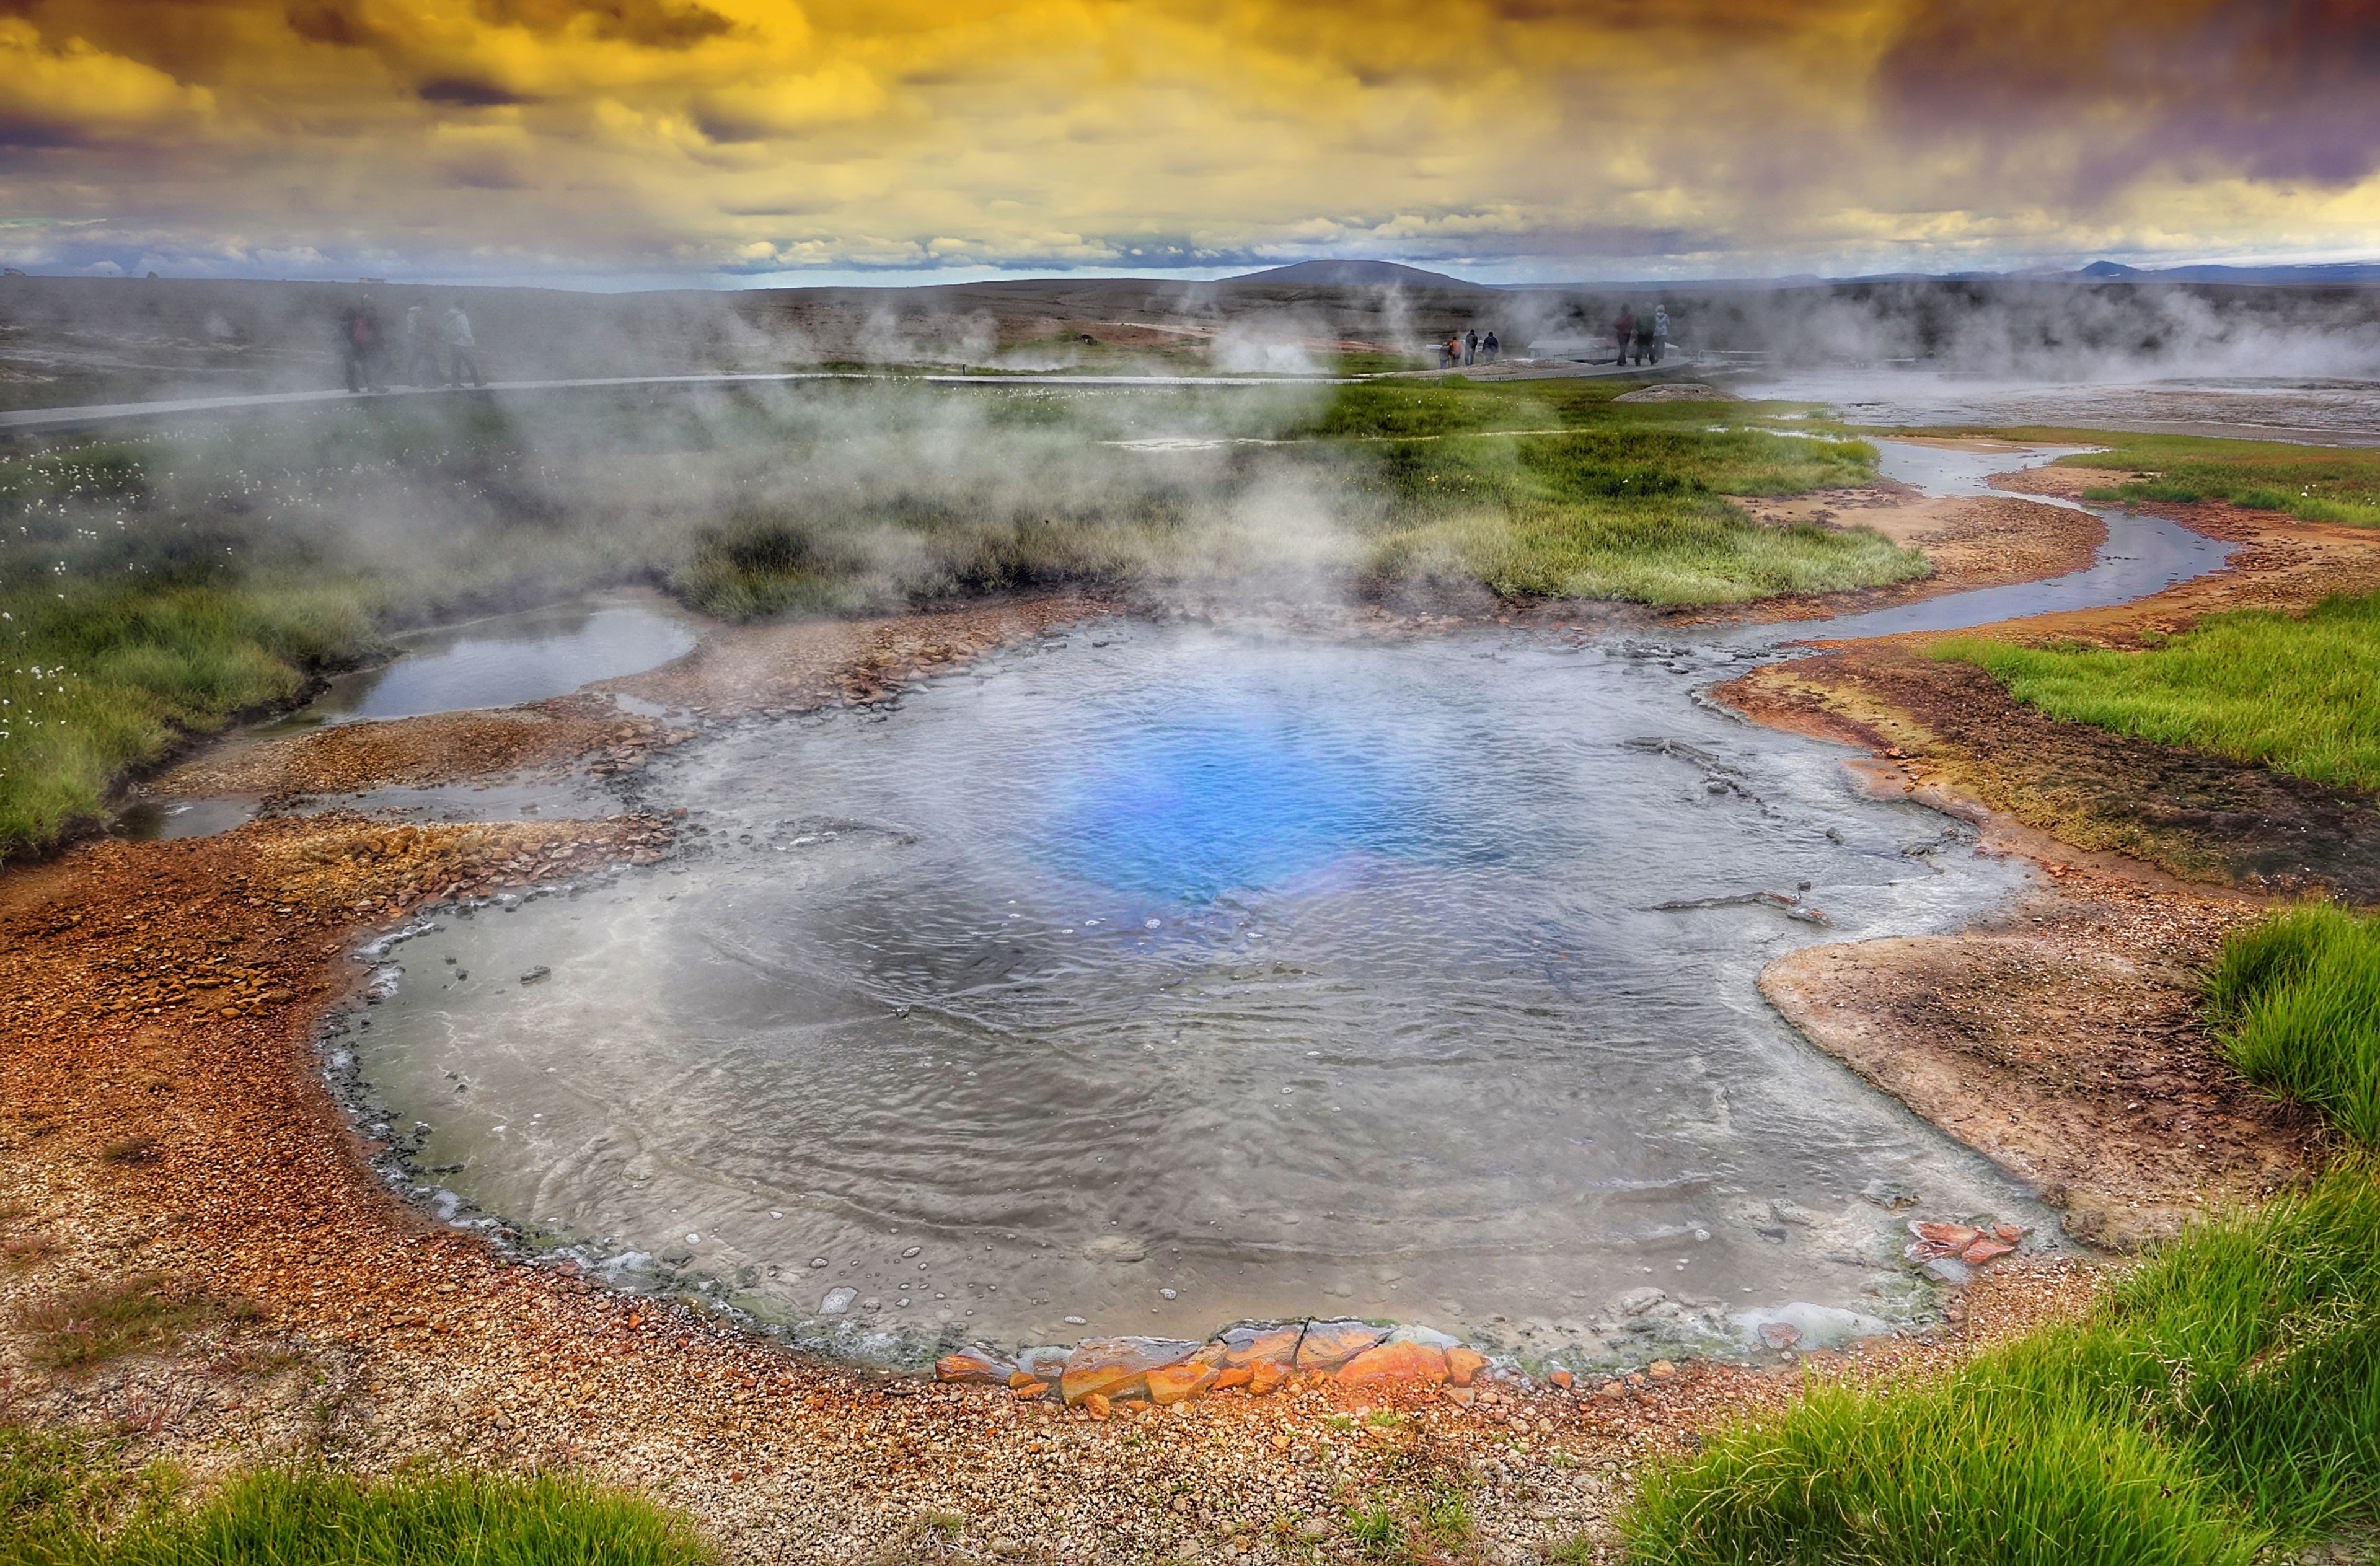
pixel 1351 273
pixel 2291 276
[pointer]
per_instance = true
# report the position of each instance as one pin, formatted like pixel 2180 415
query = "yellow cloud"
pixel 69 90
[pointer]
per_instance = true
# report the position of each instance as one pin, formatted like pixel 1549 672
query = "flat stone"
pixel 1246 1345
pixel 1116 1368
pixel 1329 1344
pixel 1170 1384
pixel 1096 1405
pixel 1780 1334
pixel 1233 1375
pixel 837 1300
pixel 1029 1390
pixel 1463 1365
pixel 973 1367
pixel 1661 1370
pixel 1982 1251
pixel 1266 1375
pixel 1636 1301
pixel 1417 1363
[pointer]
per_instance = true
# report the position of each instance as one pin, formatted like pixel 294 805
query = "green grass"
pixel 2296 1001
pixel 65 1503
pixel 2227 1394
pixel 2316 484
pixel 2222 1401
pixel 2292 694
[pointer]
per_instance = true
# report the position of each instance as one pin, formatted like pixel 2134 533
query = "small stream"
pixel 1145 978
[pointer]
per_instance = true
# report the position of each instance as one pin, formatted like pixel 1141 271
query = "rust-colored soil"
pixel 546 736
pixel 2065 1043
pixel 165 1127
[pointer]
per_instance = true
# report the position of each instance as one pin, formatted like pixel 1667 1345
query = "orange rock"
pixel 1097 1404
pixel 1463 1365
pixel 1247 1346
pixel 1118 1368
pixel 974 1368
pixel 1239 1376
pixel 2008 1231
pixel 1020 1378
pixel 1172 1383
pixel 1397 1362
pixel 1329 1344
pixel 1958 1236
pixel 1661 1370
pixel 1266 1375
pixel 1982 1251
pixel 1561 1378
pixel 1031 1391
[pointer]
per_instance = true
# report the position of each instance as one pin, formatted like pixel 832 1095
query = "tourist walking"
pixel 1488 348
pixel 1660 332
pixel 462 349
pixel 1622 326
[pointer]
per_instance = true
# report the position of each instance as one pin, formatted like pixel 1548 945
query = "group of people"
pixel 1645 331
pixel 437 353
pixel 1467 347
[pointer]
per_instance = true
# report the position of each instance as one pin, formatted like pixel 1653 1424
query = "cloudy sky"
pixel 764 141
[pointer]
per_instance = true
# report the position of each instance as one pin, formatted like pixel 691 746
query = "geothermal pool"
pixel 1147 979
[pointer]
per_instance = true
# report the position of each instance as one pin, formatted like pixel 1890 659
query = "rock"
pixel 1560 1378
pixel 1116 1368
pixel 1636 1301
pixel 1889 1194
pixel 1234 1376
pixel 1045 1363
pixel 1417 1363
pixel 1780 1334
pixel 533 976
pixel 1266 1375
pixel 2008 1231
pixel 1949 1269
pixel 1661 1370
pixel 1170 1384
pixel 1938 1240
pixel 276 995
pixel 1096 1405
pixel 837 1300
pixel 1463 1365
pixel 1982 1251
pixel 1031 1391
pixel 1794 1212
pixel 1329 1344
pixel 1677 392
pixel 1246 1345
pixel 974 1367
pixel 1116 1248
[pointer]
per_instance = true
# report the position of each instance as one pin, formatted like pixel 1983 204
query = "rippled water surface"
pixel 509 658
pixel 1158 978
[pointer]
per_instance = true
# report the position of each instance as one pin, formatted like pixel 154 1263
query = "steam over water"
pixel 1157 978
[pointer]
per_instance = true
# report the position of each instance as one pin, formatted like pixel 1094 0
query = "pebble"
pixel 837 1300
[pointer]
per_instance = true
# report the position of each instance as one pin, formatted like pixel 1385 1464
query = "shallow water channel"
pixel 1147 979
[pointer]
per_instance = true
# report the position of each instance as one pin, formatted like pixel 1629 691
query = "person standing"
pixel 1487 345
pixel 462 349
pixel 371 345
pixel 421 347
pixel 1622 325
pixel 351 345
pixel 1660 332
pixel 1644 335
pixel 1471 346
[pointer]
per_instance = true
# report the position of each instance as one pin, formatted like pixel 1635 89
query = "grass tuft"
pixel 2297 1003
pixel 89 1325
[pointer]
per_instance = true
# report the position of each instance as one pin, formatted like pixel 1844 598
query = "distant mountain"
pixel 1352 274
pixel 2339 272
